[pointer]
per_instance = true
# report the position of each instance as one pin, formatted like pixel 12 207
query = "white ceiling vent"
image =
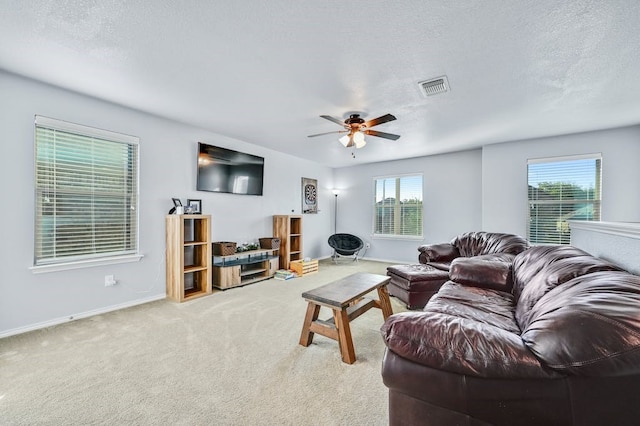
pixel 434 86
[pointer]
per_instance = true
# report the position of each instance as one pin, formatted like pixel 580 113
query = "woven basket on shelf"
pixel 223 248
pixel 269 243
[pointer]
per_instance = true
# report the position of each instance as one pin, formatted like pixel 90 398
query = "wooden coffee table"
pixel 345 298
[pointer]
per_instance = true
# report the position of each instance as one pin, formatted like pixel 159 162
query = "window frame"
pixel 82 261
pixel 597 202
pixel 397 205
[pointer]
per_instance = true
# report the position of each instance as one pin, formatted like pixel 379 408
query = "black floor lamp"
pixel 335 211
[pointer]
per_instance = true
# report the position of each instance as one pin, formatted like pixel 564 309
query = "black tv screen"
pixel 225 170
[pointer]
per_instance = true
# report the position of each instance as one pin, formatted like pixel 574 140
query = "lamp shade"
pixel 358 138
pixel 353 138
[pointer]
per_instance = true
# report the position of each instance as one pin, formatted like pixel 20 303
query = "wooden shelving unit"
pixel 289 229
pixel 244 268
pixel 188 259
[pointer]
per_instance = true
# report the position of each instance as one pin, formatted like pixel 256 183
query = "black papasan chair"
pixel 345 245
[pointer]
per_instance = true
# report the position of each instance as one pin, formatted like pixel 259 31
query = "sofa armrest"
pixel 492 271
pixel 441 253
pixel 460 345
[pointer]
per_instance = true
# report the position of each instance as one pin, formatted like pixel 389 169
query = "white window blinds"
pixel 560 190
pixel 398 206
pixel 86 183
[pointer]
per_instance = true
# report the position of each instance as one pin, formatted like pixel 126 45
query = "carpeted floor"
pixel 227 359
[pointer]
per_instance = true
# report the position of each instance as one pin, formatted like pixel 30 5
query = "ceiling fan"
pixel 356 128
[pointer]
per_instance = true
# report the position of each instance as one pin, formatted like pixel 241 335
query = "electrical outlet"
pixel 109 280
pixel 367 246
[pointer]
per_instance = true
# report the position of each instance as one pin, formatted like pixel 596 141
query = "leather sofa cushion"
pixel 479 243
pixel 494 308
pixel 442 253
pixel 460 345
pixel 588 326
pixel 442 266
pixel 464 330
pixel 541 269
pixel 487 271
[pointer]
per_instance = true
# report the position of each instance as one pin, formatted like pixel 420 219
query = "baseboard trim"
pixel 373 259
pixel 395 261
pixel 74 317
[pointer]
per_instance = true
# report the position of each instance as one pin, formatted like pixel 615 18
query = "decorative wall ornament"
pixel 309 195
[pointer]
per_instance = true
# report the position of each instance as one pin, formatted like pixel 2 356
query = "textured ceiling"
pixel 263 71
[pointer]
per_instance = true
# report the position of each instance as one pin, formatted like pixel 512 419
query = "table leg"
pixel 385 303
pixel 344 336
pixel 312 314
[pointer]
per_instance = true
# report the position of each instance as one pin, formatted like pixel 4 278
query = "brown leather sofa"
pixel 552 338
pixel 415 284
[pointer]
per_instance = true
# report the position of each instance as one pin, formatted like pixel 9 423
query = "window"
pixel 86 183
pixel 398 206
pixel 562 189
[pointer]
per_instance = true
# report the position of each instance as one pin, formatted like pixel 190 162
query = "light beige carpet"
pixel 230 358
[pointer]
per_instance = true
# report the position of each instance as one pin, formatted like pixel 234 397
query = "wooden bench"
pixel 345 298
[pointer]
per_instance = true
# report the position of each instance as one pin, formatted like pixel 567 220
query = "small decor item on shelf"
pixel 269 243
pixel 247 247
pixel 223 248
pixel 194 206
pixel 177 206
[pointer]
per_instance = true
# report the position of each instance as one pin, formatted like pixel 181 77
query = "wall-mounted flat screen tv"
pixel 225 170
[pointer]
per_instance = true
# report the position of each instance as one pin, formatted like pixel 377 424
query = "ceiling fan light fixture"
pixel 357 128
pixel 358 139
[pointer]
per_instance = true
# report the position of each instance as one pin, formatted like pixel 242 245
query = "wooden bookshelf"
pixel 289 229
pixel 188 258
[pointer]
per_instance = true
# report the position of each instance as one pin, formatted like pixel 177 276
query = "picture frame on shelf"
pixel 176 202
pixel 194 206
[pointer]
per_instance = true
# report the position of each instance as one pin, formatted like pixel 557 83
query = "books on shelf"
pixel 283 274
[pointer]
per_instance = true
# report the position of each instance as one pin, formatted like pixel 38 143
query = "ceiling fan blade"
pixel 335 120
pixel 326 133
pixel 383 119
pixel 382 134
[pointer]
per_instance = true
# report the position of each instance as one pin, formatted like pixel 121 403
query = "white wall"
pixel 452 200
pixel 167 169
pixel 504 175
pixel 617 242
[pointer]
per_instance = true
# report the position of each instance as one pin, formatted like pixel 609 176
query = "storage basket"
pixel 224 248
pixel 269 243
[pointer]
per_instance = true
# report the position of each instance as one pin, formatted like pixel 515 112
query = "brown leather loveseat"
pixel 550 339
pixel 415 284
